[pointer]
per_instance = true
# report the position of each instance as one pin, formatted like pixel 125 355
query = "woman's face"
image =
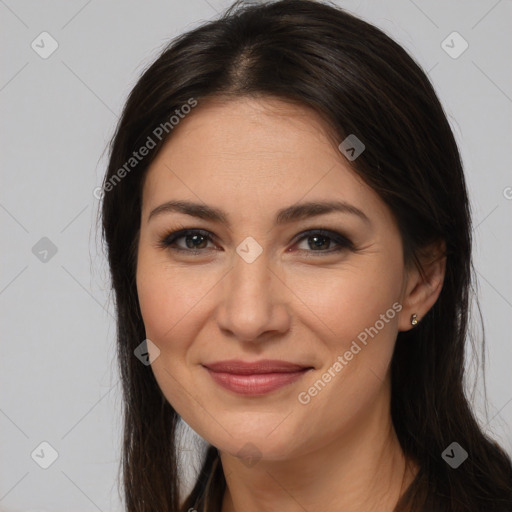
pixel 259 282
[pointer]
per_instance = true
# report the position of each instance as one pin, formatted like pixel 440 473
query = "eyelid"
pixel 343 242
pixel 181 232
pixel 335 236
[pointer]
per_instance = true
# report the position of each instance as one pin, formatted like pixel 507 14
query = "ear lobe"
pixel 423 286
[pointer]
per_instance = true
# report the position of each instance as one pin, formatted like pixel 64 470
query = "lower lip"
pixel 255 384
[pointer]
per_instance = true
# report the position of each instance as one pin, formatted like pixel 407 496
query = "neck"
pixel 363 469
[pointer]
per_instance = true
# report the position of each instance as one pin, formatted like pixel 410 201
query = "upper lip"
pixel 238 367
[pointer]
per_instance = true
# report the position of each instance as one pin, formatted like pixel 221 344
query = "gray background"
pixel 58 375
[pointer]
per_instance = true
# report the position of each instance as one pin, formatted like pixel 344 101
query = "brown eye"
pixel 194 240
pixel 321 241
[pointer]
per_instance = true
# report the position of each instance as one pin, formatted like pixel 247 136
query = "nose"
pixel 253 305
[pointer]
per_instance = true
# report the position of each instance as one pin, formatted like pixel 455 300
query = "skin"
pixel 251 157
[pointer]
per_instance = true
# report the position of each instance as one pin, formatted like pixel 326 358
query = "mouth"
pixel 255 378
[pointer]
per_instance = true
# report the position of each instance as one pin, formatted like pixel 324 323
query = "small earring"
pixel 414 319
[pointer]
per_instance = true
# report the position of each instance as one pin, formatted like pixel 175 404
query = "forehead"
pixel 253 153
pixel 262 129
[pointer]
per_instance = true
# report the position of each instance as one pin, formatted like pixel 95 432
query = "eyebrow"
pixel 284 216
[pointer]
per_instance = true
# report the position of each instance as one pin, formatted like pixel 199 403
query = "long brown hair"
pixel 360 81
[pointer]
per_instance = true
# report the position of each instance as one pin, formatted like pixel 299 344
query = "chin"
pixel 264 442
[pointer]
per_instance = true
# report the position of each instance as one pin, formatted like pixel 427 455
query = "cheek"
pixel 356 315
pixel 168 297
pixel 167 302
pixel 344 303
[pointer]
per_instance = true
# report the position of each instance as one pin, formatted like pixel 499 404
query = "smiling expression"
pixel 287 256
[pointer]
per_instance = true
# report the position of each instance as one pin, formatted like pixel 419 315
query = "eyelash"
pixel 167 241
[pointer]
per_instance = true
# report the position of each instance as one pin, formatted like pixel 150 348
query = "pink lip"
pixel 255 378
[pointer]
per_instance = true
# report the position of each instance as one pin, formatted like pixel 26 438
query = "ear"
pixel 422 288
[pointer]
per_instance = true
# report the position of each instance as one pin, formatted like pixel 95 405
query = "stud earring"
pixel 414 319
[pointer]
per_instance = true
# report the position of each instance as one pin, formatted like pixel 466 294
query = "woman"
pixel 289 238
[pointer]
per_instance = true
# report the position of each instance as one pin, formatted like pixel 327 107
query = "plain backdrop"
pixel 58 377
